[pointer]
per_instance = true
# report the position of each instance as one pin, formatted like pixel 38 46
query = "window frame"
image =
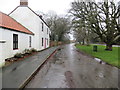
pixel 15 41
pixel 42 41
pixel 47 30
pixel 30 41
pixel 47 41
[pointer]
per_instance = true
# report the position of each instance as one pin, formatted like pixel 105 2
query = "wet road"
pixel 72 69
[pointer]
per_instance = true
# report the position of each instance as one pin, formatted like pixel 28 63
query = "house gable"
pixel 11 24
pixel 40 17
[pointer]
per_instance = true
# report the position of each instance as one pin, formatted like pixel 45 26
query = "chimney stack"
pixel 23 2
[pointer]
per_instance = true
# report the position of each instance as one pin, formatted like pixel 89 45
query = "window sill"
pixel 15 49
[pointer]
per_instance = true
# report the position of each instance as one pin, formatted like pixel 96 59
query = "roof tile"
pixel 8 22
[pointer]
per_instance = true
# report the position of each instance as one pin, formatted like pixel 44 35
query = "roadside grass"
pixel 111 57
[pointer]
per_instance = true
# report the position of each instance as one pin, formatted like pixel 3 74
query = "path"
pixel 15 74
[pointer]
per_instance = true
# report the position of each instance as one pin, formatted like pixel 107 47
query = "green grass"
pixel 111 57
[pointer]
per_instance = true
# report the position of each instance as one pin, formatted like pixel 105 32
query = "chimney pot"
pixel 23 2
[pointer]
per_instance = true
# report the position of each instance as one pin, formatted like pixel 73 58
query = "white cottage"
pixel 34 22
pixel 14 38
pixel 31 31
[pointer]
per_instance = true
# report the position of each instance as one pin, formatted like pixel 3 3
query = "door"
pixel 45 43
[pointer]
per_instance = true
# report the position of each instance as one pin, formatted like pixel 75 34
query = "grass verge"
pixel 111 57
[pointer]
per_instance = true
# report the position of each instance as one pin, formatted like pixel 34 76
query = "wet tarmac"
pixel 72 69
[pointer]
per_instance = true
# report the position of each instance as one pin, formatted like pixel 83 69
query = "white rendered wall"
pixel 31 21
pixel 44 35
pixel 27 18
pixel 7 48
pixel 1 44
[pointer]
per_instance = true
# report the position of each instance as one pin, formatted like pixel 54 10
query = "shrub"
pixel 33 50
pixel 26 51
pixel 18 55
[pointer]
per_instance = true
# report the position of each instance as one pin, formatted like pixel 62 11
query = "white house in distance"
pixel 34 22
pixel 14 38
pixel 22 29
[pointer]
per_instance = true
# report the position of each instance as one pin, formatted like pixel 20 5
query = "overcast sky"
pixel 59 6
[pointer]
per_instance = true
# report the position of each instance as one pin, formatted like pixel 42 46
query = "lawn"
pixel 111 57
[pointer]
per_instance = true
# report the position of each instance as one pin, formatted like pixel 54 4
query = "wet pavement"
pixel 72 69
pixel 15 74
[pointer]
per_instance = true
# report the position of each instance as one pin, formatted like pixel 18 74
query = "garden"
pixel 20 56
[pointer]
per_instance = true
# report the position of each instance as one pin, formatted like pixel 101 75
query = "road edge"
pixel 22 86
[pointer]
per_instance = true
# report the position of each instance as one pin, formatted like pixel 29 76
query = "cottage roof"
pixel 9 23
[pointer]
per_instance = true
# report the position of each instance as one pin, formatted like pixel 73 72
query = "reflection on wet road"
pixel 71 69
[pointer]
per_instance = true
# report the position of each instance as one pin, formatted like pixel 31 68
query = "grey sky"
pixel 59 6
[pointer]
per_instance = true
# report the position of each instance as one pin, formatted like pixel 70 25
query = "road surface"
pixel 72 69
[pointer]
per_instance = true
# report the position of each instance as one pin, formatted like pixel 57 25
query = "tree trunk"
pixel 83 42
pixel 108 47
pixel 88 38
pixel 88 43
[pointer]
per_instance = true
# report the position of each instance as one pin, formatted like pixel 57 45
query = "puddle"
pixel 101 75
pixel 99 60
pixel 103 63
pixel 59 58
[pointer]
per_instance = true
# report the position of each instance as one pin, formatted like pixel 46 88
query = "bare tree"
pixel 100 18
pixel 59 26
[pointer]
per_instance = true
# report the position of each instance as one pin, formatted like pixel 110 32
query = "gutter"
pixel 22 86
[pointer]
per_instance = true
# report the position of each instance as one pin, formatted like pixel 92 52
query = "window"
pixel 47 30
pixel 15 41
pixel 42 26
pixel 47 41
pixel 42 41
pixel 30 40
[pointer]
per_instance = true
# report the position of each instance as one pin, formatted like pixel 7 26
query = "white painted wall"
pixel 7 48
pixel 31 21
pixel 1 51
pixel 45 35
